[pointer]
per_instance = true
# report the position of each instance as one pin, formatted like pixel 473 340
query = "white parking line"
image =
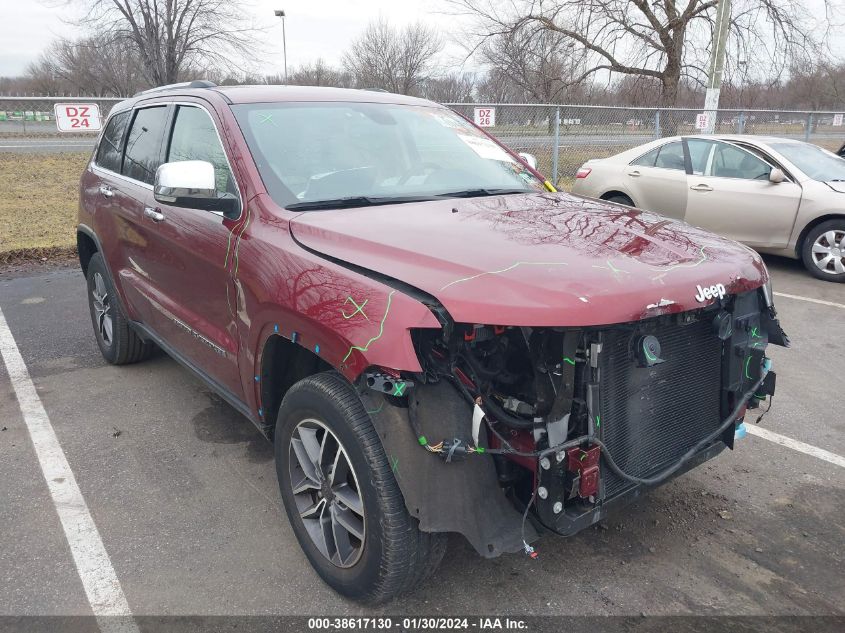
pixel 795 445
pixel 810 299
pixel 92 562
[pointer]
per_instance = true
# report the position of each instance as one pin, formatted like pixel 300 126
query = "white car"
pixel 779 196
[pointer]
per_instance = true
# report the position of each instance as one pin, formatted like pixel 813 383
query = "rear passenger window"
pixel 647 160
pixel 108 154
pixel 671 156
pixel 143 145
pixel 194 137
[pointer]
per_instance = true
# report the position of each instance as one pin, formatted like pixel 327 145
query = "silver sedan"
pixel 776 195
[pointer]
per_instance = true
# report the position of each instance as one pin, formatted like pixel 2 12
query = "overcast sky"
pixel 315 28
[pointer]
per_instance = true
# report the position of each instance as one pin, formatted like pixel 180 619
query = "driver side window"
pixel 732 162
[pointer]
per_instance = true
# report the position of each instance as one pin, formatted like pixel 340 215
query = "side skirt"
pixel 219 389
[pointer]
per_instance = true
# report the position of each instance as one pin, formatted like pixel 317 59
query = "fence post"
pixel 741 123
pixel 809 128
pixel 657 132
pixel 556 148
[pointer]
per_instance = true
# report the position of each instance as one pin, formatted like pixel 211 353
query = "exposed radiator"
pixel 650 416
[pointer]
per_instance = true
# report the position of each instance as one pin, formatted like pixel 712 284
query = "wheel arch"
pixel 799 243
pixel 282 363
pixel 607 195
pixel 86 245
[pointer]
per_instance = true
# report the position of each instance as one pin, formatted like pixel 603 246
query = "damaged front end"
pixel 566 422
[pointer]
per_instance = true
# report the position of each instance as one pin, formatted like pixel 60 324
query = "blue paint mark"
pixel 257 379
pixel 261 413
pixel 294 336
pixel 317 349
pixel 275 328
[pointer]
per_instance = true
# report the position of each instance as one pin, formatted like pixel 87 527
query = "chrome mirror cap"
pixel 187 179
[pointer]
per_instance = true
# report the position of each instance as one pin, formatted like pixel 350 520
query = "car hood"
pixel 836 185
pixel 535 259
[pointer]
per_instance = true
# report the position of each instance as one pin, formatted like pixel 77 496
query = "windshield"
pixel 364 153
pixel 817 163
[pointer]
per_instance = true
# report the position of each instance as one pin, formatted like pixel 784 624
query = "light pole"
pixel 281 14
pixel 721 30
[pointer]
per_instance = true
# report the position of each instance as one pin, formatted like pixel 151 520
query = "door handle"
pixel 634 174
pixel 701 188
pixel 155 216
pixel 106 191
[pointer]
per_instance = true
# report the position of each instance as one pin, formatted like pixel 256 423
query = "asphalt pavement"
pixel 183 493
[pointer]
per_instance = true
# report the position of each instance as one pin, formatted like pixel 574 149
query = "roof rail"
pixel 196 83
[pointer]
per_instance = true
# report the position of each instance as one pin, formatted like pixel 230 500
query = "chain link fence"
pixel 562 137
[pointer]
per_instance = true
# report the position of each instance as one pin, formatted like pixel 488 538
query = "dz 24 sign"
pixel 77 117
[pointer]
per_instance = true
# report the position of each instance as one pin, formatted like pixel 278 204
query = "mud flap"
pixel 461 496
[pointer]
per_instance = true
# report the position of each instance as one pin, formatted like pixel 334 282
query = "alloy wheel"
pixel 102 309
pixel 325 489
pixel 829 252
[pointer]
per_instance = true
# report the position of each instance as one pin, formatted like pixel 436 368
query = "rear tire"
pixel 118 342
pixel 823 251
pixel 620 199
pixel 364 545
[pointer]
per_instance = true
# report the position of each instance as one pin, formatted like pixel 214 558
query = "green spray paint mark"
pixel 747 362
pixel 648 355
pixel 479 449
pixel 598 421
pixel 358 308
pixel 583 456
pixel 394 464
pixel 378 410
pixel 366 346
pixel 228 248
pixel 421 439
pixel 566 359
pixel 755 333
pixel 399 388
pixel 503 270
pixel 267 118
pixel 238 244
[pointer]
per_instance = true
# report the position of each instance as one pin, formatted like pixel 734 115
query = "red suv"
pixel 434 339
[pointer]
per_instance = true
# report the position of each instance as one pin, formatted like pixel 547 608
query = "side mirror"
pixel 192 184
pixel 776 175
pixel 529 159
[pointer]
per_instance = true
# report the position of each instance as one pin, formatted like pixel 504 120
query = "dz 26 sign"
pixel 77 117
pixel 485 117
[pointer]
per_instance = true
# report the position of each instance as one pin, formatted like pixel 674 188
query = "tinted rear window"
pixel 108 154
pixel 143 145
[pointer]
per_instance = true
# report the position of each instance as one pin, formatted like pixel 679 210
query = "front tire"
pixel 823 251
pixel 341 497
pixel 118 342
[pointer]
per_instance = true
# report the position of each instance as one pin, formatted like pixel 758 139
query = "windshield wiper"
pixel 477 193
pixel 355 201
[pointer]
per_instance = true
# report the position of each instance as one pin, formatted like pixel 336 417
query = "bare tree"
pixel 451 88
pixel 543 64
pixel 664 40
pixel 392 59
pixel 317 73
pixel 96 66
pixel 174 36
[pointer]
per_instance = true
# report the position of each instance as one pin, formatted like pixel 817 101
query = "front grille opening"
pixel 650 416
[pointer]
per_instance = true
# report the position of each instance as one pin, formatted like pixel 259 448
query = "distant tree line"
pixel 604 52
